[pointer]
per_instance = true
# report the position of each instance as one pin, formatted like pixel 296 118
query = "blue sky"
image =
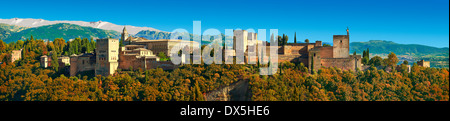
pixel 408 22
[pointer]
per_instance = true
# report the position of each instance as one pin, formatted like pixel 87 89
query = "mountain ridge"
pixel 31 23
pixel 60 30
pixel 383 47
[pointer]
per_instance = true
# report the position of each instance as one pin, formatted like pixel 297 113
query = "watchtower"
pixel 341 45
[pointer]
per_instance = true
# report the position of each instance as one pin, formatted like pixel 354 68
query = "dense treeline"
pixel 331 84
pixel 25 80
pixel 188 83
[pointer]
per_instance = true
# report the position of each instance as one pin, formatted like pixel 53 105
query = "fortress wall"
pixel 267 51
pixel 291 58
pixel 88 65
pixel 342 63
pixel 80 64
pixel 326 52
pixel 129 61
pixel 295 50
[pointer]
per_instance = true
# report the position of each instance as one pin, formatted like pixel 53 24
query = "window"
pixel 341 41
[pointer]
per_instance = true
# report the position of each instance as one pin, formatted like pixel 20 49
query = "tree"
pixel 162 56
pixel 376 61
pixel 295 37
pixel 392 59
pixel 280 40
pixel 121 43
pixel 2 46
pixel 285 39
pixel 59 45
pixel 364 53
pixel 365 60
pixel 306 40
pixel 326 45
pixel 198 94
pixel 367 53
pixel 405 62
pixel 54 62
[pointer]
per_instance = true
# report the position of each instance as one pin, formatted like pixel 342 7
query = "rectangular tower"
pixel 341 46
pixel 16 55
pixel 107 56
pixel 240 40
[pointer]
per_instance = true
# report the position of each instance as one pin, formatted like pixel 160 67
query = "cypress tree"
pixel 295 37
pixel 54 62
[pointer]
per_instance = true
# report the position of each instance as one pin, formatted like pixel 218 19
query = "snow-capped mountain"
pixel 99 24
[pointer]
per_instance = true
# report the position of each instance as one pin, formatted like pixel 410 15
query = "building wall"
pixel 16 55
pixel 81 63
pixel 340 46
pixel 44 61
pixel 351 63
pixel 130 61
pixel 314 60
pixel 342 63
pixel 292 58
pixel 423 63
pixel 107 51
pixel 65 60
pixel 159 46
pixel 318 43
pixel 326 52
pixel 164 45
pixel 252 36
pixel 240 44
pixel 73 65
pixel 295 49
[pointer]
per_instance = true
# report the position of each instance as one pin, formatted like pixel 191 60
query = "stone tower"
pixel 341 45
pixel 107 56
pixel 16 55
pixel 73 65
pixel 124 35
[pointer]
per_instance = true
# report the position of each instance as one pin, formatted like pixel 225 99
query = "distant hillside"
pixel 61 30
pixel 29 22
pixel 153 35
pixel 385 47
pixel 6 30
pixel 12 28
